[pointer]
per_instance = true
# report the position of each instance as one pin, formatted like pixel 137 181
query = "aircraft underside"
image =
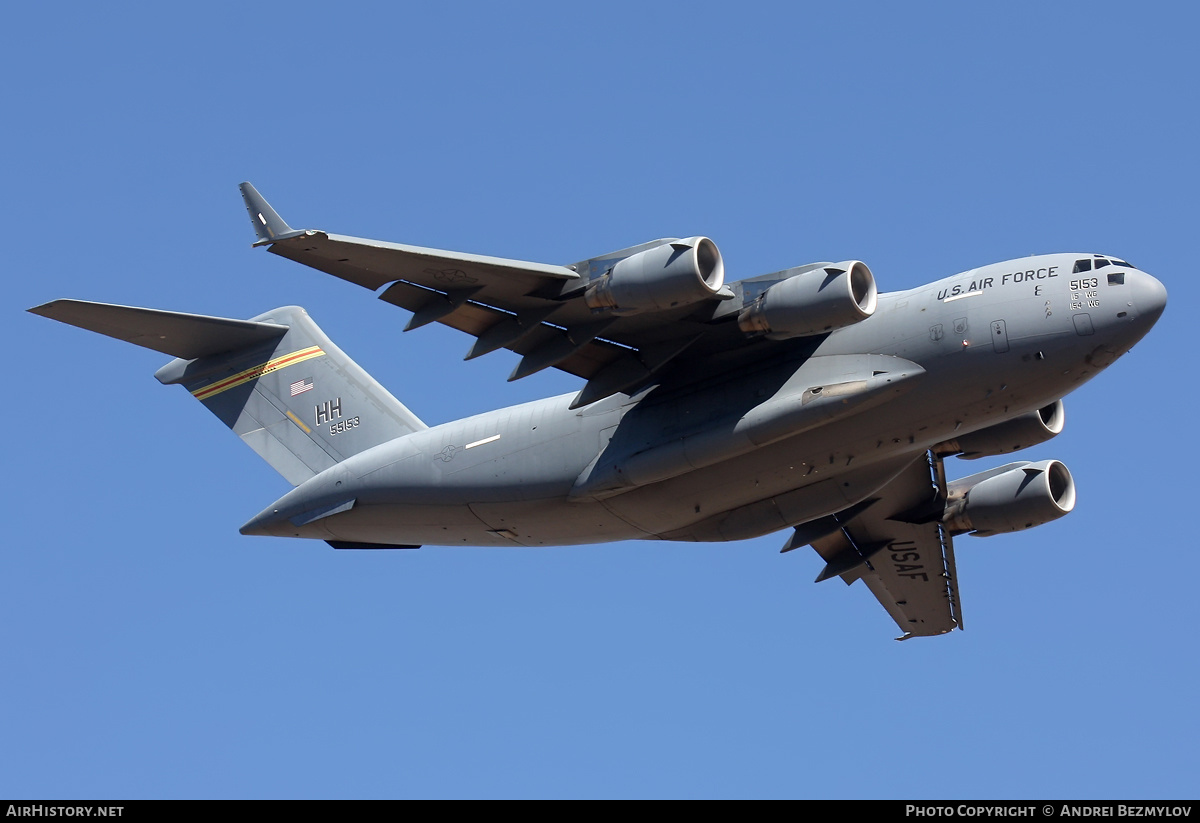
pixel 709 411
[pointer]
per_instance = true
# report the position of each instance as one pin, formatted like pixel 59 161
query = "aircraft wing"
pixel 536 310
pixel 896 545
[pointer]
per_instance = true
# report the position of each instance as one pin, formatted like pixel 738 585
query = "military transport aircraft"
pixel 709 411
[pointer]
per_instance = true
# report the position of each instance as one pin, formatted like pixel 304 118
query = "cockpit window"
pixel 1101 263
pixel 1116 278
pixel 1083 265
pixel 1117 262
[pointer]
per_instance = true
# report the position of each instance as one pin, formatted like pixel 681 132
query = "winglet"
pixel 268 225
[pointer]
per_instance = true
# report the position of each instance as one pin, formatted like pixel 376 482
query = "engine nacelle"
pixel 814 302
pixel 1010 436
pixel 1010 498
pixel 673 274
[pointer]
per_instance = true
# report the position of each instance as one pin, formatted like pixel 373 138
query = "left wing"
pixel 896 544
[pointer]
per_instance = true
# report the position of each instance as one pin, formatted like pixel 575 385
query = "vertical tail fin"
pixel 278 381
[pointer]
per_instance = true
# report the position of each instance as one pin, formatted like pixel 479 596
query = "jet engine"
pixel 1010 498
pixel 674 274
pixel 1010 436
pixel 814 302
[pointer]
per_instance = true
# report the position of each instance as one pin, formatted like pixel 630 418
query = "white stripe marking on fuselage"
pixel 952 298
pixel 482 442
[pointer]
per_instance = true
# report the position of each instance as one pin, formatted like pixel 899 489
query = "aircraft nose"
pixel 1149 296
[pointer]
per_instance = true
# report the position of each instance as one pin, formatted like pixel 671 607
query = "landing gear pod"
pixel 678 273
pixel 814 302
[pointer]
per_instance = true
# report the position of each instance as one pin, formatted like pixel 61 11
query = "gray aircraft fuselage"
pixel 754 451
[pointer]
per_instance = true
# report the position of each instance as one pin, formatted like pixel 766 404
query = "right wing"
pixel 534 309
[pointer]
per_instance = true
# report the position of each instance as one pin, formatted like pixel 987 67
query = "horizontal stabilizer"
pixel 186 336
pixel 277 381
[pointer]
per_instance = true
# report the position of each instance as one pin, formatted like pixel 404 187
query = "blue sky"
pixel 151 651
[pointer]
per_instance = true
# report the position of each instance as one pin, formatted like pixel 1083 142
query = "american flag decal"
pixel 301 386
